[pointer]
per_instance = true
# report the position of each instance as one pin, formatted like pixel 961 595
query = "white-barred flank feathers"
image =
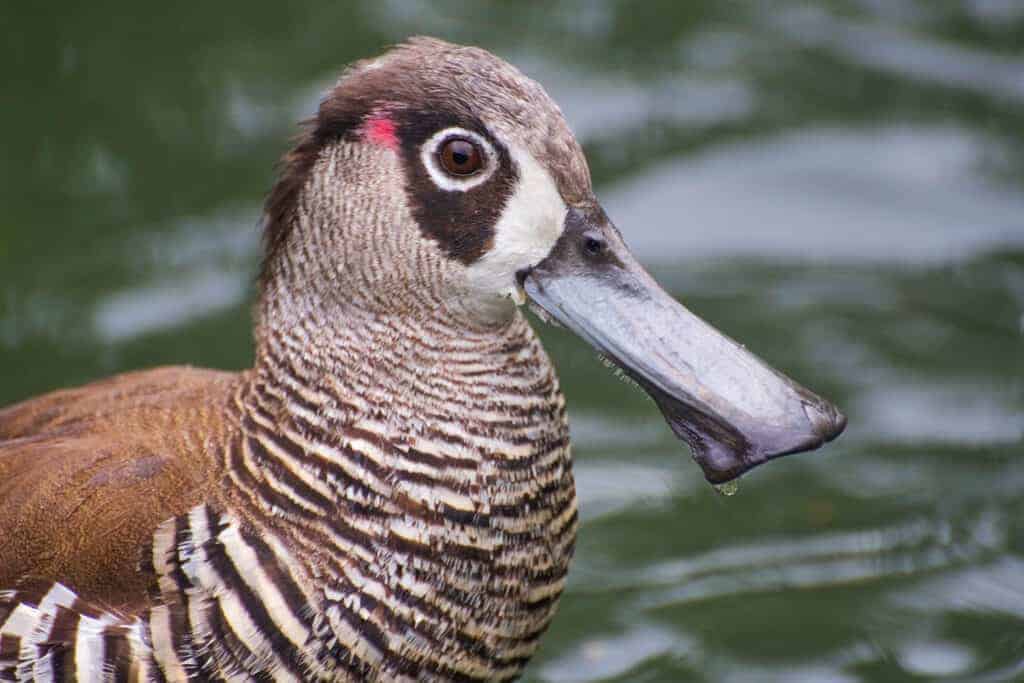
pixel 239 612
pixel 229 610
pixel 57 637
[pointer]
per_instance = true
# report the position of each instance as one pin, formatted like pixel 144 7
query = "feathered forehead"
pixel 433 74
pixel 427 76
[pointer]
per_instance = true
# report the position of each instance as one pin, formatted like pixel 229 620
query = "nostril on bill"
pixel 826 420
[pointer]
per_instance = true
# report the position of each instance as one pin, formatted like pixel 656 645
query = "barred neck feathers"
pixel 426 470
pixel 423 477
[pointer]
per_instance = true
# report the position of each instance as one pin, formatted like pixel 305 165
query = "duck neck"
pixel 407 437
pixel 424 368
pixel 425 400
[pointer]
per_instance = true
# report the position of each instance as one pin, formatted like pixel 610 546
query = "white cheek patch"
pixel 532 221
pixel 444 180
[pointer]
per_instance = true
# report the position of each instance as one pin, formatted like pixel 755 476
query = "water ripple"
pixel 819 561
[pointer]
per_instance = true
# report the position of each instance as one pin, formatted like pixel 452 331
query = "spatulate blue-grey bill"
pixel 733 409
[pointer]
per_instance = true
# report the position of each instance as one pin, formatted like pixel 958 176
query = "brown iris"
pixel 461 157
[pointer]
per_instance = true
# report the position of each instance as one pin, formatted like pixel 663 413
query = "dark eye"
pixel 595 246
pixel 461 157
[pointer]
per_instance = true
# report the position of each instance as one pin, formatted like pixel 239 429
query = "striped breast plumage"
pixel 353 534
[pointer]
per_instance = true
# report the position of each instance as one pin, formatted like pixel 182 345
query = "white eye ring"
pixel 443 179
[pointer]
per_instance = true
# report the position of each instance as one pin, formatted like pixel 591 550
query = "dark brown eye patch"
pixel 460 157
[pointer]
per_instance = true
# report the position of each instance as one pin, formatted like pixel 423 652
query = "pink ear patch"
pixel 380 130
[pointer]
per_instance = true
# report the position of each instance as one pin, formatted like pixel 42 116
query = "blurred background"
pixel 839 184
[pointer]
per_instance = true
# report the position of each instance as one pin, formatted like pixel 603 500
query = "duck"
pixel 387 494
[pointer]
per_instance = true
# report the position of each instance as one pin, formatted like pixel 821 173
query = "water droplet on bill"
pixel 728 488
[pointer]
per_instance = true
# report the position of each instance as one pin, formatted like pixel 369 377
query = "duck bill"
pixel 732 409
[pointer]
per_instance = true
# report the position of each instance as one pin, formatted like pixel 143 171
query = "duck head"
pixel 449 177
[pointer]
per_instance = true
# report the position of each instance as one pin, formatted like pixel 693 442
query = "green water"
pixel 840 185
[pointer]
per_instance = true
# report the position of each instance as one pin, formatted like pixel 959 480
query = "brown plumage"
pixel 87 474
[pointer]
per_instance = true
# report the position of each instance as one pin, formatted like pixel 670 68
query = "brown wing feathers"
pixel 87 474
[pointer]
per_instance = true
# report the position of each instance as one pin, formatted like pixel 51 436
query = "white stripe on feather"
pixel 90 648
pixel 163 645
pixel 235 614
pixel 21 622
pixel 249 568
